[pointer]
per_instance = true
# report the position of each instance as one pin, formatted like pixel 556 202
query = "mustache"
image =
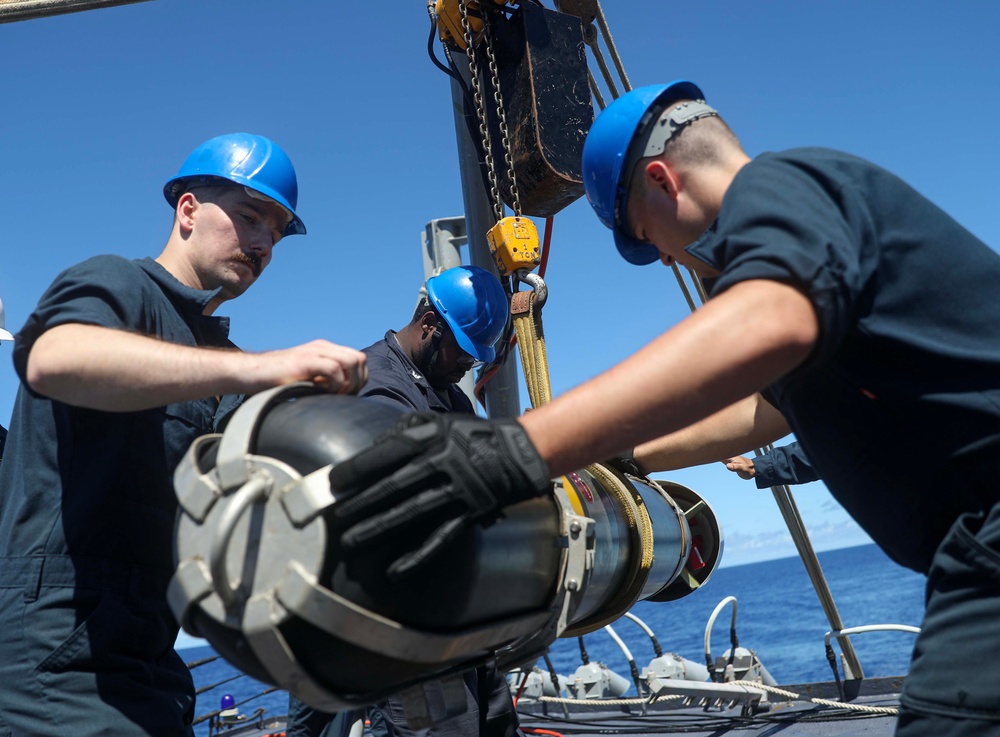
pixel 252 260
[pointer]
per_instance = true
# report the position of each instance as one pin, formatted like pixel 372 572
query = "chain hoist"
pixel 513 241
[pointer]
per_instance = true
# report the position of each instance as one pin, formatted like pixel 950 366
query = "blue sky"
pixel 102 107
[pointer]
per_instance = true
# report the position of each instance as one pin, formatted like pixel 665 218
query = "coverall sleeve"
pixel 787 464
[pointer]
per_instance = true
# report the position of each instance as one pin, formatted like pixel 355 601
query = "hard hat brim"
pixel 484 353
pixel 635 251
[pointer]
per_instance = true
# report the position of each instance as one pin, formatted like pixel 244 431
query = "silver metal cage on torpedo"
pixel 260 574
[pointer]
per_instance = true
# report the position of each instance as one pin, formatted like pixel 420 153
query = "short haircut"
pixel 423 307
pixel 209 190
pixel 704 142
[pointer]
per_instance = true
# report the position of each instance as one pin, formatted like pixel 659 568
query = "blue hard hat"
pixel 609 157
pixel 474 304
pixel 256 162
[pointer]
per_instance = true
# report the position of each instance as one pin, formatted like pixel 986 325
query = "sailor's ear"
pixel 660 174
pixel 429 322
pixel 187 206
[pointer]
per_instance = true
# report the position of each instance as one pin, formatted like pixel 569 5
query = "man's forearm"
pixel 747 424
pixel 116 371
pixel 685 375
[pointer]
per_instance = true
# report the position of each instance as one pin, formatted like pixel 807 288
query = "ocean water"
pixel 778 616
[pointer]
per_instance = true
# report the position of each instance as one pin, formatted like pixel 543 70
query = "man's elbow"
pixel 40 375
pixel 794 326
pixel 47 370
pixel 798 341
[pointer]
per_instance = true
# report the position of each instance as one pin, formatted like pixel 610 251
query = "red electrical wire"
pixel 545 246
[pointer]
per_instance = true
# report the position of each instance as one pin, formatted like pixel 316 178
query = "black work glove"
pixel 626 463
pixel 434 474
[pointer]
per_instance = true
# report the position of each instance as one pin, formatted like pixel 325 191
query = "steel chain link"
pixel 508 157
pixel 484 131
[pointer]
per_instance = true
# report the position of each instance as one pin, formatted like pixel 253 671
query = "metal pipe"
pixel 17 10
pixel 501 393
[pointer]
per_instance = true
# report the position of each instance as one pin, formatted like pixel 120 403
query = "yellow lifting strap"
pixel 531 343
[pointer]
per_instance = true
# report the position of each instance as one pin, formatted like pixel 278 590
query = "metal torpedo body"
pixel 261 578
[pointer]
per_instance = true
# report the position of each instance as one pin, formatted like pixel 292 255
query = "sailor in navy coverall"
pixel 122 366
pixel 876 326
pixel 877 336
pixel 418 369
pixel 393 377
pixel 88 516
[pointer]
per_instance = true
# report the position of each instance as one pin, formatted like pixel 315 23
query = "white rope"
pixel 609 702
pixel 821 702
pixel 888 710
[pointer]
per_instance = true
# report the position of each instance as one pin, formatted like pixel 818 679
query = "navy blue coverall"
pixel 87 524
pixel 786 464
pixel 906 366
pixel 393 378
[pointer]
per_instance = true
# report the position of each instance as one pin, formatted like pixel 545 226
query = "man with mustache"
pixel 122 365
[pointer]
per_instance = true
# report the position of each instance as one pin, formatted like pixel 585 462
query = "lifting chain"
pixel 508 157
pixel 484 131
pixel 477 96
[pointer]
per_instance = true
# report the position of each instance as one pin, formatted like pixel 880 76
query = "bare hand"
pixel 335 368
pixel 742 466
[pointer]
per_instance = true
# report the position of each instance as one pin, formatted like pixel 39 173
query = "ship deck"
pixel 779 714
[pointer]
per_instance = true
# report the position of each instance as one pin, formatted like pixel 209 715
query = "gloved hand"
pixel 434 474
pixel 626 463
